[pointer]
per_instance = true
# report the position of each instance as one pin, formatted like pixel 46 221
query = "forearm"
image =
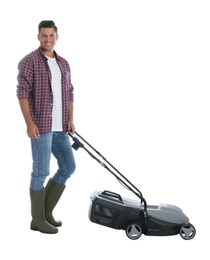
pixel 70 111
pixel 24 106
pixel 71 126
pixel 32 129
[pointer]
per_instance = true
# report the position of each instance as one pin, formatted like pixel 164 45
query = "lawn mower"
pixel 112 210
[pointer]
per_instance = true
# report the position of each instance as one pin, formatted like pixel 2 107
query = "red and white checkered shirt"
pixel 34 83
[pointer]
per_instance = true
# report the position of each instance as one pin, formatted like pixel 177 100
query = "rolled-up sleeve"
pixel 24 78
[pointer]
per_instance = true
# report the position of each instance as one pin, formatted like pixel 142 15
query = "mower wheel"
pixel 187 231
pixel 133 231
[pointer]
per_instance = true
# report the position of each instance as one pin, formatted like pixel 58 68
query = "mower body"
pixel 110 209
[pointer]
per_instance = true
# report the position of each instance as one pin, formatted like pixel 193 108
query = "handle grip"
pixel 112 194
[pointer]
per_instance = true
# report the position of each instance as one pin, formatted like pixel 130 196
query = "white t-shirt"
pixel 57 95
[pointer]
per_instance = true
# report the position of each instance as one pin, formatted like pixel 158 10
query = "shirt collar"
pixel 44 57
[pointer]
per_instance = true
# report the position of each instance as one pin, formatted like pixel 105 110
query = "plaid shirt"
pixel 34 83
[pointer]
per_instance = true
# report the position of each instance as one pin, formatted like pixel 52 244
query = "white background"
pixel 141 75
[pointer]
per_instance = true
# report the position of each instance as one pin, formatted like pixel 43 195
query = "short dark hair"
pixel 47 24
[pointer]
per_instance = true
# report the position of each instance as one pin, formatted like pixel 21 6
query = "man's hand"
pixel 33 131
pixel 71 127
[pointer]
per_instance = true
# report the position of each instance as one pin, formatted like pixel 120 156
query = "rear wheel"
pixel 133 231
pixel 187 231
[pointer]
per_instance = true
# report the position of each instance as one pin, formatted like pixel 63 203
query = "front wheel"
pixel 133 231
pixel 187 231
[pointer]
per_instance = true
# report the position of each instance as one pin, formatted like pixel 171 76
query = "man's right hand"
pixel 33 131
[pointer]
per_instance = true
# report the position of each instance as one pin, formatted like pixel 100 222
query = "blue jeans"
pixel 57 143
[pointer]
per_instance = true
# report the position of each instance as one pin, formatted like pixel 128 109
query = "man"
pixel 46 98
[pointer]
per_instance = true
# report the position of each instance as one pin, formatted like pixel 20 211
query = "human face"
pixel 47 38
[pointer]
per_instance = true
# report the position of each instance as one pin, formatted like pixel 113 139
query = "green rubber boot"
pixel 38 222
pixel 53 192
